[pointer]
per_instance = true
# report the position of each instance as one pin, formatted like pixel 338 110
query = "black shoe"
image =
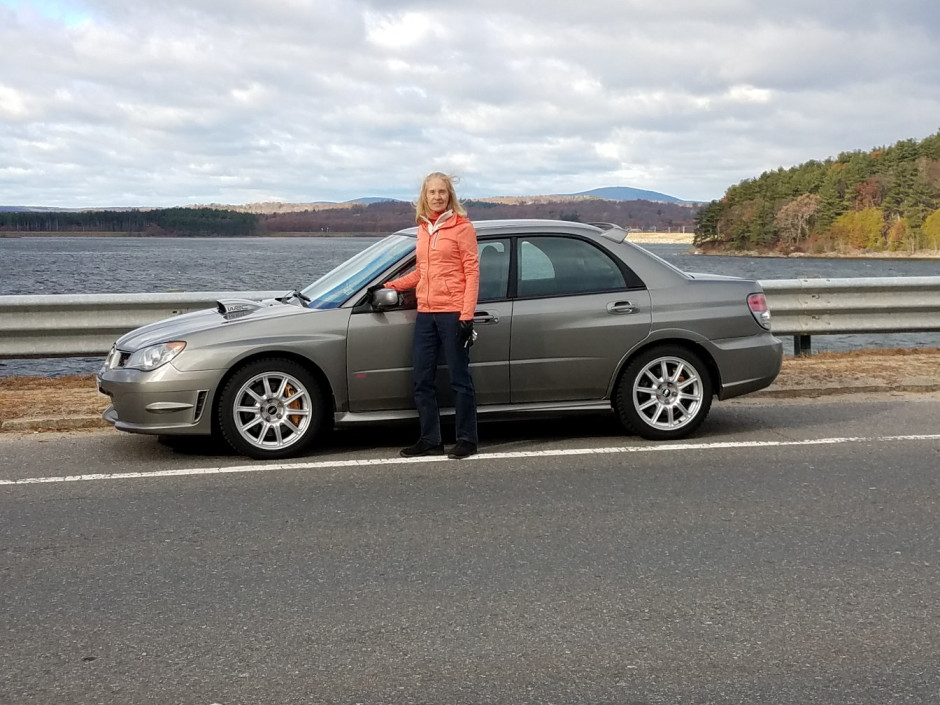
pixel 422 447
pixel 463 449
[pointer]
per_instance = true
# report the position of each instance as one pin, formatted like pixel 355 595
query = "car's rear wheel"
pixel 664 394
pixel 271 408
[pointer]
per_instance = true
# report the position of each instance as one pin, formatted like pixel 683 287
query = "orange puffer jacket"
pixel 447 276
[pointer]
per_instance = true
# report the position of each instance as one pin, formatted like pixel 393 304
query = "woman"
pixel 445 280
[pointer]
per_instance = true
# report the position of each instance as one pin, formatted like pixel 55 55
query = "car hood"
pixel 228 312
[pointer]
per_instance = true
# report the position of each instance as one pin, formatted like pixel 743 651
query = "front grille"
pixel 116 359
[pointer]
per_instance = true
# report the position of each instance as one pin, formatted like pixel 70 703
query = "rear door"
pixel 574 318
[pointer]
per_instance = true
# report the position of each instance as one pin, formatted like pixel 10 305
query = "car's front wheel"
pixel 664 394
pixel 271 408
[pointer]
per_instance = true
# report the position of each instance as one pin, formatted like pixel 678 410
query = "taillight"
pixel 758 305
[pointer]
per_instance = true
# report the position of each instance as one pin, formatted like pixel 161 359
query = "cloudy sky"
pixel 161 103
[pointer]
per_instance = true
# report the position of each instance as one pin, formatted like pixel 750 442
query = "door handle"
pixel 621 307
pixel 485 318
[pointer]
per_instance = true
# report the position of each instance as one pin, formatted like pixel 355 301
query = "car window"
pixel 494 269
pixel 560 266
pixel 336 286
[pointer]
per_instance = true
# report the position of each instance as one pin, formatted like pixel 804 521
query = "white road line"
pixel 332 464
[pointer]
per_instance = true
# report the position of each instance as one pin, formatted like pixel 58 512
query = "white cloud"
pixel 12 103
pixel 749 94
pixel 126 102
pixel 396 32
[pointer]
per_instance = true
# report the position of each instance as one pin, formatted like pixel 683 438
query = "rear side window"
pixel 494 269
pixel 561 266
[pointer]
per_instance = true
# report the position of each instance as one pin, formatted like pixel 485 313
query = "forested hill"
pixel 392 215
pixel 885 199
pixel 201 222
pixel 356 218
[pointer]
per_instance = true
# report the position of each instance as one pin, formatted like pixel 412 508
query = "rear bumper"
pixel 748 364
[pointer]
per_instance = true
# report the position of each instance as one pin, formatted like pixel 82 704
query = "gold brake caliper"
pixel 295 404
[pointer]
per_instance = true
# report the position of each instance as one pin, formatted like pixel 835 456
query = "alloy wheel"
pixel 668 393
pixel 272 410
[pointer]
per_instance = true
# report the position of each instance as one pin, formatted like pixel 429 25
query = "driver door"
pixel 378 350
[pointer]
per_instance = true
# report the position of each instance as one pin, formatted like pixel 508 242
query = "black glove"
pixel 465 334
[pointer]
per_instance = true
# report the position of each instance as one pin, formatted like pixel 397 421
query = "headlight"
pixel 153 356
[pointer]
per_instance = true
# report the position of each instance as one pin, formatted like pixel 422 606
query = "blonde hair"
pixel 421 207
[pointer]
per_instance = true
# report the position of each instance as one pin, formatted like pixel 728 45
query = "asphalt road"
pixel 788 553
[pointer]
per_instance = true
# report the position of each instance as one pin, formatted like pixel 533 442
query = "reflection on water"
pixel 115 265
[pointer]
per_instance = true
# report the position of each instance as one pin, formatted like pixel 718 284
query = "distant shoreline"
pixel 76 233
pixel 640 238
pixel 661 238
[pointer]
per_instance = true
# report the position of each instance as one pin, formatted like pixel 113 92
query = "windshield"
pixel 336 286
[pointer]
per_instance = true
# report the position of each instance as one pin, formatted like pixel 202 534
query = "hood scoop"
pixel 236 308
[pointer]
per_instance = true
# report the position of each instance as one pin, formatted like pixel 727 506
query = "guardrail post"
pixel 802 346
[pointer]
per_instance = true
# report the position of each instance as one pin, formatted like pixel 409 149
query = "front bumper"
pixel 164 401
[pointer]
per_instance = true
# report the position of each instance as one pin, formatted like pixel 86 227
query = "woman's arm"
pixel 470 263
pixel 409 281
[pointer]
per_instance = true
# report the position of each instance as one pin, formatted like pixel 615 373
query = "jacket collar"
pixel 439 222
pixel 443 220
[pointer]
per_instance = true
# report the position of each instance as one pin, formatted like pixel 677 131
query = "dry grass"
pixel 50 397
pixel 77 395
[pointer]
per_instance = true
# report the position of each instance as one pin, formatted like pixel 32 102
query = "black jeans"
pixel 436 332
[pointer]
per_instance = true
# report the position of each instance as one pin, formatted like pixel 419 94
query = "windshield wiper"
pixel 294 294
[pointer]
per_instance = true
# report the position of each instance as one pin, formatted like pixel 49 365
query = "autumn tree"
pixel 931 230
pixel 898 234
pixel 795 219
pixel 859 230
pixel 869 193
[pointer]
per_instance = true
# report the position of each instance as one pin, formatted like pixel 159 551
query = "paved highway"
pixel 790 553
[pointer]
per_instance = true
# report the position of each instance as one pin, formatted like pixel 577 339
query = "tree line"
pixel 389 216
pixel 884 199
pixel 374 218
pixel 182 222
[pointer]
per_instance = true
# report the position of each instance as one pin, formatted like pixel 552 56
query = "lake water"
pixel 99 265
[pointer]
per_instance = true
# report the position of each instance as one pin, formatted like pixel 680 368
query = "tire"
pixel 664 394
pixel 271 408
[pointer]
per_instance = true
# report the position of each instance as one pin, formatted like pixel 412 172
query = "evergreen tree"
pixel 706 224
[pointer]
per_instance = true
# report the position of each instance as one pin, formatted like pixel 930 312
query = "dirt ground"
pixel 76 397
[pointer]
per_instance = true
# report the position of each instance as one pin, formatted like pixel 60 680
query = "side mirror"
pixel 383 299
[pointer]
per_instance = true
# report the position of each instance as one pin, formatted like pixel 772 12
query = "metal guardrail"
pixel 65 325
pixel 806 307
pixel 88 324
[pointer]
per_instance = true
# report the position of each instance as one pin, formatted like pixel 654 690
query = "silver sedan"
pixel 571 317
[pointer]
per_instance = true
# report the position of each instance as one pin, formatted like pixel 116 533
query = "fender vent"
pixel 200 405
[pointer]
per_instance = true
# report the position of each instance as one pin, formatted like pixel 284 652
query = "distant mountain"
pixel 59 209
pixel 626 193
pixel 609 193
pixel 27 209
pixel 368 200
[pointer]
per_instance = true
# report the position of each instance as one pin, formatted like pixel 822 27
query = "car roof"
pixel 525 225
